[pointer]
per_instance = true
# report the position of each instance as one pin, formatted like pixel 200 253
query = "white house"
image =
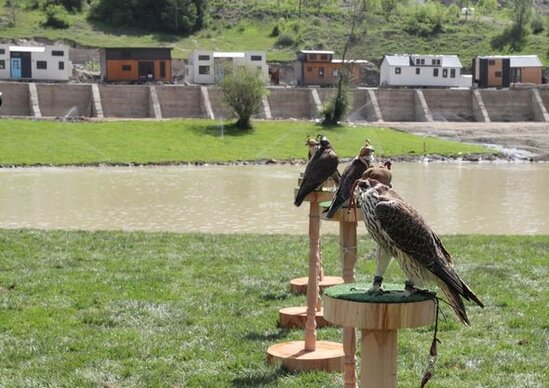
pixel 209 67
pixel 43 63
pixel 423 71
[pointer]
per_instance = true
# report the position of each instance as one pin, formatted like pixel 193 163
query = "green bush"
pixel 285 40
pixel 56 16
pixel 537 24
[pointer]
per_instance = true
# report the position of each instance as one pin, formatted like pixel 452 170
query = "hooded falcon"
pixel 401 232
pixel 381 173
pixel 322 166
pixel 351 173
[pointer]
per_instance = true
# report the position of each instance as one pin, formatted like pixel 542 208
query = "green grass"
pixel 26 142
pixel 160 309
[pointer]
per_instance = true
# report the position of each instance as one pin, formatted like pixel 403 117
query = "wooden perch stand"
pixel 379 317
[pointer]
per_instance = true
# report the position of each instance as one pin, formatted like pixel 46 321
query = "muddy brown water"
pixel 455 198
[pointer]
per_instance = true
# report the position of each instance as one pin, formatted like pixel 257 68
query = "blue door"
pixel 16 68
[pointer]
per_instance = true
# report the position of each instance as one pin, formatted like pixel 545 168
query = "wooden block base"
pixel 296 318
pixel 327 356
pixel 298 286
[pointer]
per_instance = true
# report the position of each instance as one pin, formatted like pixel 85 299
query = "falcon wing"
pixel 319 169
pixel 411 234
pixel 351 173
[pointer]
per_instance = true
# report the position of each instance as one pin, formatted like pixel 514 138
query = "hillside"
pixel 248 25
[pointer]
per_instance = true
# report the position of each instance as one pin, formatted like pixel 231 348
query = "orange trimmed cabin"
pixel 136 64
pixel 504 70
pixel 318 67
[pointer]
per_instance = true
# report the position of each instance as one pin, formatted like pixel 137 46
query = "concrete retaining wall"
pixel 134 101
pixel 180 101
pixel 449 105
pixel 508 105
pixel 16 99
pixel 125 101
pixel 56 100
pixel 397 104
pixel 291 103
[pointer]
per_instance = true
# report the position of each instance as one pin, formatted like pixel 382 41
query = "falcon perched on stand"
pixel 381 173
pixel 401 232
pixel 352 172
pixel 322 166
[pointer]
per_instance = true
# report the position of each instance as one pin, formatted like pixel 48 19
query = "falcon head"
pixel 323 140
pixel 371 184
pixel 311 142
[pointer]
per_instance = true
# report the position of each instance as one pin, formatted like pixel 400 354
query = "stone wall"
pixel 15 97
pixel 180 101
pixel 288 103
pixel 125 101
pixel 449 105
pixel 508 104
pixel 56 100
pixel 396 104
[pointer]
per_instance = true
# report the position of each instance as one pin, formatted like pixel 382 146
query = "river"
pixel 454 197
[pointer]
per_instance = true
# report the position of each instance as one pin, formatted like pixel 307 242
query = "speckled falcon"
pixel 401 232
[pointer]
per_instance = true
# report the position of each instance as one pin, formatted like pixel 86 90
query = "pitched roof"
pixel 408 60
pixel 518 60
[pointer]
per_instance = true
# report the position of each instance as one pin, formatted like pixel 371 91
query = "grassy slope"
pixel 247 25
pixel 27 142
pixel 160 309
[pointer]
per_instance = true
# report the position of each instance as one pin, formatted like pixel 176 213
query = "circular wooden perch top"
pixel 351 305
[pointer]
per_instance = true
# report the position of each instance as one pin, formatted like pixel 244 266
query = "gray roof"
pixel 518 60
pixel 407 60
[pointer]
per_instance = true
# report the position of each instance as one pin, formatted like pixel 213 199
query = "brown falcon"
pixel 401 232
pixel 351 173
pixel 322 166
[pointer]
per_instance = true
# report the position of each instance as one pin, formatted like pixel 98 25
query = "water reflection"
pixel 488 198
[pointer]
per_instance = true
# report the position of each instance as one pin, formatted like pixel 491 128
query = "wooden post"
pixel 313 291
pixel 347 241
pixel 378 366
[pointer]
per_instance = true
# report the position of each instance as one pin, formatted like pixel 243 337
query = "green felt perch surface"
pixel 392 293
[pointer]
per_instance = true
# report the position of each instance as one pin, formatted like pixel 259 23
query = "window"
pixel 61 65
pixel 309 69
pixel 321 72
pixel 324 57
pixel 256 58
pixel 335 72
pixel 418 70
pixel 2 64
pixel 498 74
pixel 203 57
pixel 312 57
pixel 423 61
pixel 452 73
pixel 42 65
pixel 444 73
pixel 162 69
pixel 2 51
pixel 491 62
pixel 126 67
pixel 435 72
pixel 204 70
pixel 438 61
pixel 397 70
pixel 418 61
pixel 433 61
pixel 57 53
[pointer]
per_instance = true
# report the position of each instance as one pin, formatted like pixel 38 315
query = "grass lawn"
pixel 185 310
pixel 27 142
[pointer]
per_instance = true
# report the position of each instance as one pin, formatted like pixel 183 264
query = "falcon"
pixel 400 231
pixel 322 166
pixel 380 173
pixel 352 172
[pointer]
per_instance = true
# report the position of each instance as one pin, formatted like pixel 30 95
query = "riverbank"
pixel 524 140
pixel 149 309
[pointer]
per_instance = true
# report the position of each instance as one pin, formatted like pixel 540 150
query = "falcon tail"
pixel 455 301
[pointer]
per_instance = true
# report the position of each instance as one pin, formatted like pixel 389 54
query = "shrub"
pixel 537 24
pixel 56 16
pixel 285 40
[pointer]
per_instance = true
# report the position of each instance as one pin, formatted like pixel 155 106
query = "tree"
pixel 522 12
pixel 243 92
pixel 336 109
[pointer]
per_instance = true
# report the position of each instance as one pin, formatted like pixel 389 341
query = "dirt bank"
pixel 522 140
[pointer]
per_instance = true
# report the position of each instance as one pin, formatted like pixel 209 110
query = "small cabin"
pixel 504 70
pixel 210 67
pixel 318 67
pixel 42 63
pixel 136 64
pixel 416 70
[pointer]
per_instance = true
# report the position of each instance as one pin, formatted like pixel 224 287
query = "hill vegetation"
pixel 281 27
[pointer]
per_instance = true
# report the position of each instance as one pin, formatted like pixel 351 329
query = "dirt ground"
pixel 522 140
